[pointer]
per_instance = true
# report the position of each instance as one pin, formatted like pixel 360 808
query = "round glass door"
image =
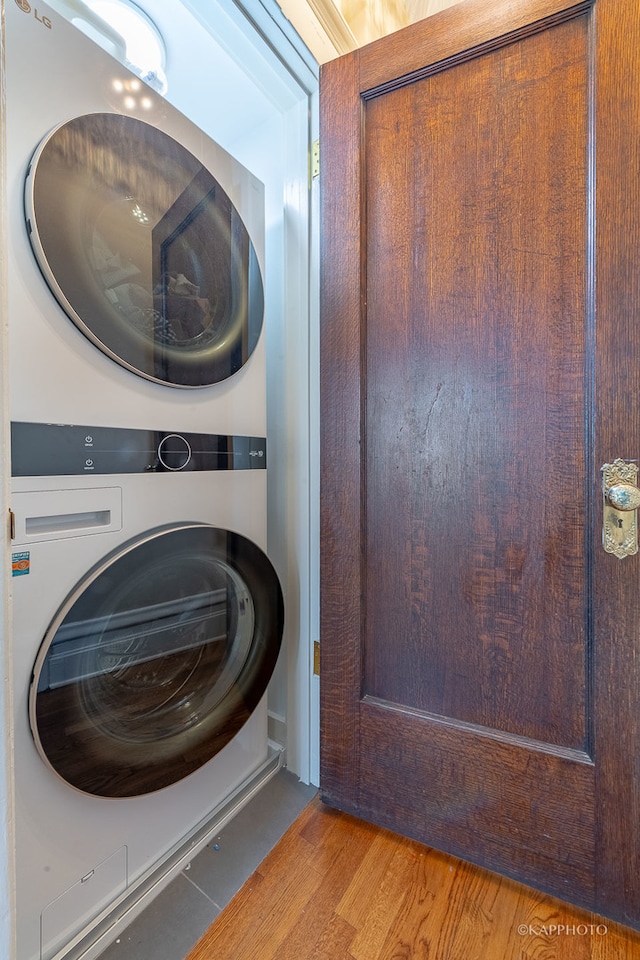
pixel 156 660
pixel 144 250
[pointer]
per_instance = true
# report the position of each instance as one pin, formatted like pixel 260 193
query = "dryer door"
pixel 144 250
pixel 156 660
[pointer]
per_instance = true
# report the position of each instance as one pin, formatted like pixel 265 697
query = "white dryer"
pixel 147 616
pixel 137 258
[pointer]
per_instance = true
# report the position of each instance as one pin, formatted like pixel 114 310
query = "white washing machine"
pixel 147 616
pixel 147 622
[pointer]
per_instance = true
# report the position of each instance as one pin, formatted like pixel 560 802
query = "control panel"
pixel 52 450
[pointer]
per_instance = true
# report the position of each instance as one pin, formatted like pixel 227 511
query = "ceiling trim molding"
pixel 334 25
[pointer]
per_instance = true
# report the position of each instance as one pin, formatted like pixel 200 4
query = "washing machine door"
pixel 156 660
pixel 144 250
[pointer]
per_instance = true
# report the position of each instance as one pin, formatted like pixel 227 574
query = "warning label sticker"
pixel 20 564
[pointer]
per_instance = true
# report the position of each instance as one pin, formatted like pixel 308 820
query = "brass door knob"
pixel 624 496
pixel 621 499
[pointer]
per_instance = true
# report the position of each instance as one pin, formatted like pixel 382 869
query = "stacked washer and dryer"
pixel 147 618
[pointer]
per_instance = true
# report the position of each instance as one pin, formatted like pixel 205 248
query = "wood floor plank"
pixel 318 927
pixel 336 888
pixel 336 861
pixel 615 944
pixel 335 942
pixel 235 919
pixel 405 877
pixel 268 905
pixel 357 902
pixel 547 927
pixel 274 924
pixel 475 918
pixel 421 921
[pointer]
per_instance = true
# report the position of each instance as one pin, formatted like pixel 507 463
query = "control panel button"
pixel 174 452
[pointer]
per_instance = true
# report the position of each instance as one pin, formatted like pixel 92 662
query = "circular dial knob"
pixel 174 452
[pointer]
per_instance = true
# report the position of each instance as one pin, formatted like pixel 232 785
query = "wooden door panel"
pixel 480 686
pixel 499 800
pixel 456 35
pixel 475 389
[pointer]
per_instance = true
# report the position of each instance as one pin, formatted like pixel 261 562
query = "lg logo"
pixel 25 6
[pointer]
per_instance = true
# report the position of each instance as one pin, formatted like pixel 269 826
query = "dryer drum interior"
pixel 144 250
pixel 156 660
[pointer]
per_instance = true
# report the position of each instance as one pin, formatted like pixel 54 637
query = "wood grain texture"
pixel 340 361
pixel 455 329
pixel 459 30
pixel 481 350
pixel 617 434
pixel 336 888
pixel 512 807
pixel 475 390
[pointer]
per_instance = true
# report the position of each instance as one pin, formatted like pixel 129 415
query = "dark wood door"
pixel 480 680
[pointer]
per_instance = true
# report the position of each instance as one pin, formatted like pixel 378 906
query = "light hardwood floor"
pixel 335 888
